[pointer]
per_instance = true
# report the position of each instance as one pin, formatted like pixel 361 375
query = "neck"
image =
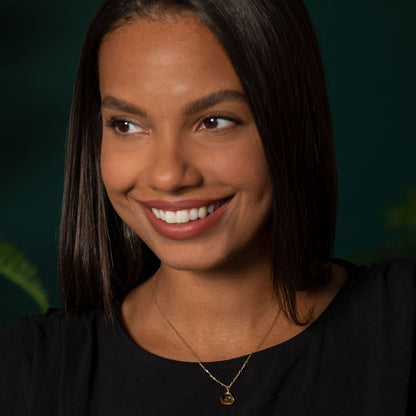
pixel 218 296
pixel 217 311
pixel 222 314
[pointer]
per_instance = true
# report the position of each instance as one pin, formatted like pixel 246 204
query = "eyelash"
pixel 218 117
pixel 112 123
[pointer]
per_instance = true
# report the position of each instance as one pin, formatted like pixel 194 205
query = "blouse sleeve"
pixel 16 357
pixel 400 283
pixel 30 357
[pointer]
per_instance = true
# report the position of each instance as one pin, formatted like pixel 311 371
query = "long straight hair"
pixel 273 48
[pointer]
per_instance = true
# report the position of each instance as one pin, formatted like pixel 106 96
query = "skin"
pixel 154 148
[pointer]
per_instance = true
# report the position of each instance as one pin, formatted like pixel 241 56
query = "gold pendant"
pixel 227 398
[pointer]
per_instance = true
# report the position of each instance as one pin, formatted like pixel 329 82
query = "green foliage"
pixel 403 214
pixel 16 268
pixel 400 224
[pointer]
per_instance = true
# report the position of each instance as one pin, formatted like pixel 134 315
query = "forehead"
pixel 175 54
pixel 158 30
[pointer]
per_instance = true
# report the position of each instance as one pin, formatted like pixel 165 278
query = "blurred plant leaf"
pixel 403 214
pixel 16 268
pixel 400 223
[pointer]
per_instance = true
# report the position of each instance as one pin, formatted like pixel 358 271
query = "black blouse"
pixel 357 358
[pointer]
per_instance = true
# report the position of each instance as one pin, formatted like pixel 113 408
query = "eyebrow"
pixel 121 105
pixel 213 99
pixel 192 108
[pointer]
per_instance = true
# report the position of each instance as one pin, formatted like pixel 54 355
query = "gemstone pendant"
pixel 227 399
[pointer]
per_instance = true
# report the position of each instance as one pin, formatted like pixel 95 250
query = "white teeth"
pixel 182 216
pixel 170 217
pixel 156 212
pixel 193 214
pixel 185 215
pixel 202 212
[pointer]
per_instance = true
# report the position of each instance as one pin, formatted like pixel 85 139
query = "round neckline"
pixel 282 347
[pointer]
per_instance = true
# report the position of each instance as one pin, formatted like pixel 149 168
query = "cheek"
pixel 246 167
pixel 116 170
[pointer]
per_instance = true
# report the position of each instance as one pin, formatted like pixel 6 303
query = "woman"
pixel 197 230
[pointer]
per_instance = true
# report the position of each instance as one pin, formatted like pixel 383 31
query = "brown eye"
pixel 122 126
pixel 211 123
pixel 217 123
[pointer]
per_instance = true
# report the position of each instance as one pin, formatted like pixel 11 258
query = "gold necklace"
pixel 226 398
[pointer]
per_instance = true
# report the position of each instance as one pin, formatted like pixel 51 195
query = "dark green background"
pixel 369 54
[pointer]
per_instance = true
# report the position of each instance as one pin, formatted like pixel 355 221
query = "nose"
pixel 173 166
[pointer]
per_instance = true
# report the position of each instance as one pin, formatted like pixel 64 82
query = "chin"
pixel 187 257
pixel 193 263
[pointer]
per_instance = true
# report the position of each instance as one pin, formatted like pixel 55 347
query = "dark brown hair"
pixel 273 48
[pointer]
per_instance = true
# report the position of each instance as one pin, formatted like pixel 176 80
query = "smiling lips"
pixel 184 219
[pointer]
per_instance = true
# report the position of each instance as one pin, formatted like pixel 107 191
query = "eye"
pixel 216 123
pixel 123 127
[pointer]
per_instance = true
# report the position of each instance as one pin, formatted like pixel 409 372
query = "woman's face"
pixel 181 157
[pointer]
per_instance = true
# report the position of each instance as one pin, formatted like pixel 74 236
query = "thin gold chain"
pixel 227 387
